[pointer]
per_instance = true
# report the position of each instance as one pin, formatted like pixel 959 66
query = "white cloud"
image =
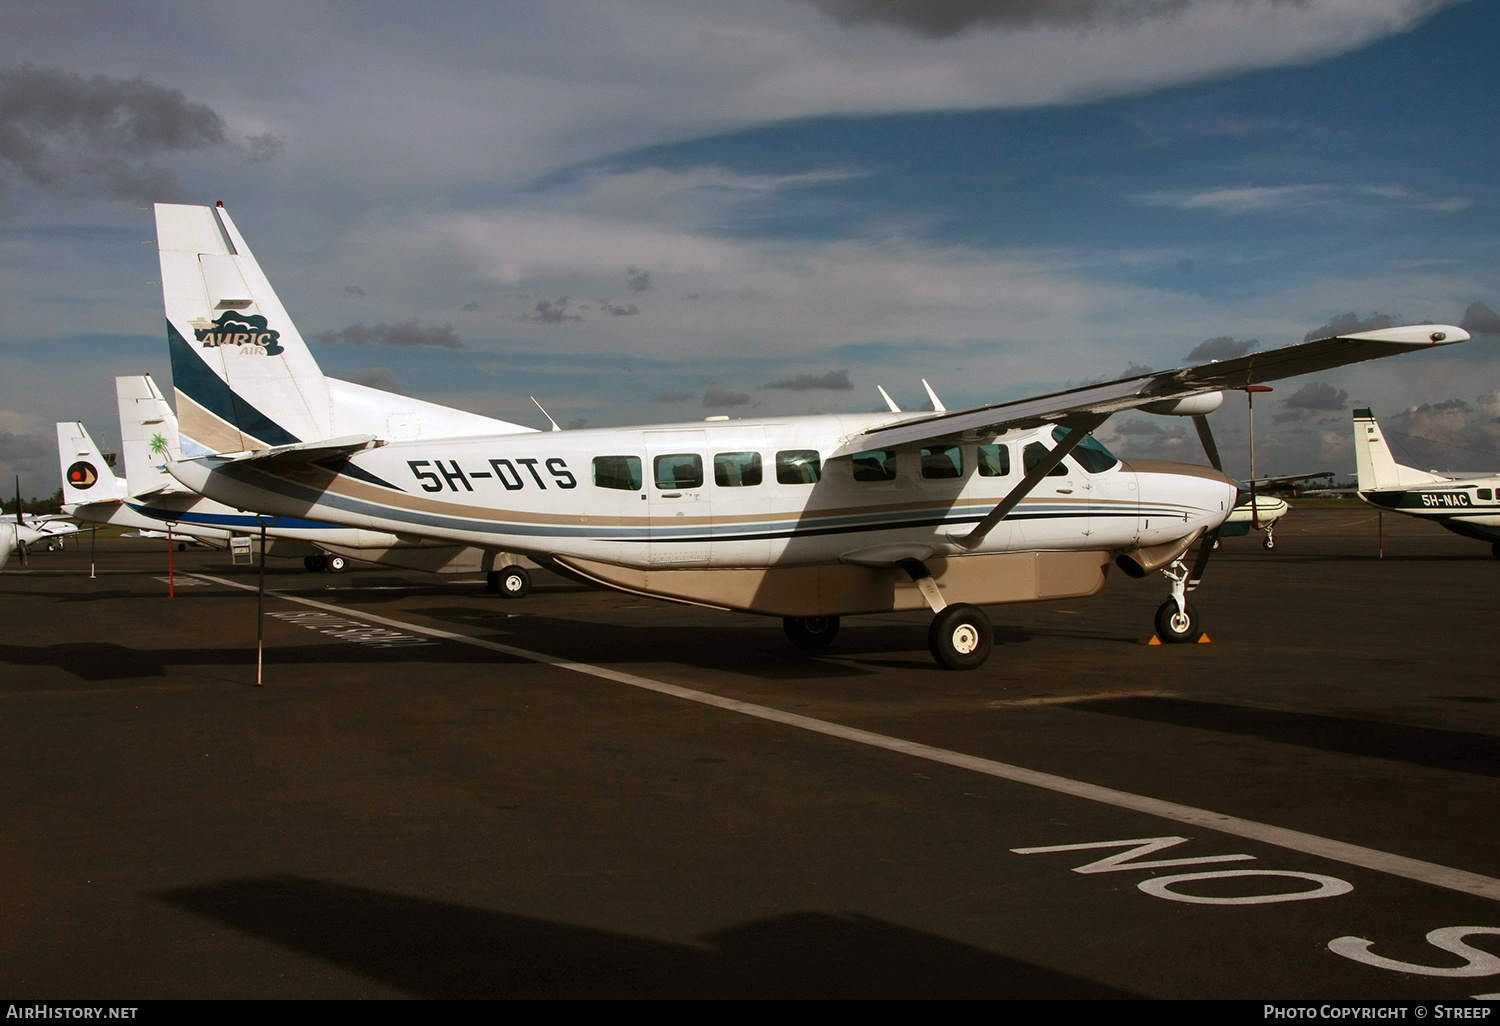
pixel 383 97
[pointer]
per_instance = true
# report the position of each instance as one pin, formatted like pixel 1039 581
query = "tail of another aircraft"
pixel 1378 469
pixel 148 436
pixel 86 478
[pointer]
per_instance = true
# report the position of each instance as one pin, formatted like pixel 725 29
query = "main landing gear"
pixel 319 563
pixel 810 633
pixel 960 637
pixel 508 582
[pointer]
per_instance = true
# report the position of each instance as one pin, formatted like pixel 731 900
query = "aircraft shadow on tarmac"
pixel 1432 747
pixel 724 648
pixel 439 950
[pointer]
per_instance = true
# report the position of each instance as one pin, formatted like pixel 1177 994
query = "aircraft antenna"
pixel 888 400
pixel 937 404
pixel 546 414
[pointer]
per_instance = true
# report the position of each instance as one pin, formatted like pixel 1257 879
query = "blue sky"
pixel 660 210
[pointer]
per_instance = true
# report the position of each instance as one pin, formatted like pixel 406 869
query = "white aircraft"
pixel 805 518
pixel 1260 512
pixel 150 499
pixel 49 529
pixel 1466 506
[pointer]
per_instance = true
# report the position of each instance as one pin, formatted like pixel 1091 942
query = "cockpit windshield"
pixel 1090 453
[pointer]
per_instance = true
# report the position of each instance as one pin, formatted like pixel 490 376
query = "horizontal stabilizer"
pixel 305 452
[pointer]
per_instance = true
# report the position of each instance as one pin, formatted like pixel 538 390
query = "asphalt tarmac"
pixel 443 793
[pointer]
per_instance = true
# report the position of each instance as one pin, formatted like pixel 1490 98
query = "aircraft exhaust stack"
pixel 1138 563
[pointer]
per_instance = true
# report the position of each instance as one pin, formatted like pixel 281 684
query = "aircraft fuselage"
pixel 738 496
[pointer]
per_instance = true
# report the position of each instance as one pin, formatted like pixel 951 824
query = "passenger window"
pixel 875 465
pixel 679 470
pixel 945 462
pixel 623 472
pixel 1484 493
pixel 1090 453
pixel 1034 453
pixel 737 469
pixel 994 461
pixel 798 466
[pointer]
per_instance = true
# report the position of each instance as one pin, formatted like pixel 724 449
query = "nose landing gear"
pixel 1177 621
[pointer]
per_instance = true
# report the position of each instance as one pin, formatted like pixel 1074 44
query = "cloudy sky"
pixel 658 210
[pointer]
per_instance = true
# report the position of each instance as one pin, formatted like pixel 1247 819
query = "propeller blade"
pixel 1207 438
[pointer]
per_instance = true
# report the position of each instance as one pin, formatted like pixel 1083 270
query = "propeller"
pixel 20 520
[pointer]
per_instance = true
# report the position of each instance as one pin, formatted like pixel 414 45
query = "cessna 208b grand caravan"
pixel 805 518
pixel 1466 506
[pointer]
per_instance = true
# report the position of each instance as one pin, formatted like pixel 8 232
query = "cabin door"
pixel 679 496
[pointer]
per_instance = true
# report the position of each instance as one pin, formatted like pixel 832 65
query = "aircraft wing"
pixel 1095 402
pixel 1287 480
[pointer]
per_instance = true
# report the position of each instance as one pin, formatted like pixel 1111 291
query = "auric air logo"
pixel 246 332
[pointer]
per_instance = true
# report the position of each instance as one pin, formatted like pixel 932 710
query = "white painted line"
pixel 1292 840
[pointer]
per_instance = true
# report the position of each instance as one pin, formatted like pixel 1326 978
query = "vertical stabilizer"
pixel 86 477
pixel 1378 469
pixel 244 377
pixel 148 436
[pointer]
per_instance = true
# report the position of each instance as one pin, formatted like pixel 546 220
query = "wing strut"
pixel 1208 541
pixel 1078 428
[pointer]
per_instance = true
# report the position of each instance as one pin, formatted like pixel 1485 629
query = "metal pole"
pixel 260 612
pixel 1254 508
pixel 93 547
pixel 171 586
pixel 1380 531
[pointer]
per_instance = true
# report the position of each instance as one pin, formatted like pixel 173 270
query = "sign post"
pixel 260 610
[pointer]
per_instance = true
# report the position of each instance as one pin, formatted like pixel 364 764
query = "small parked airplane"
pixel 805 518
pixel 1466 506
pixel 150 499
pixel 28 529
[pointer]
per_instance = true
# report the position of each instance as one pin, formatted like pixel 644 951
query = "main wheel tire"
pixel 315 564
pixel 337 564
pixel 1174 628
pixel 810 632
pixel 515 582
pixel 961 637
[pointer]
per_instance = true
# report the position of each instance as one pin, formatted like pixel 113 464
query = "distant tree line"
pixel 51 504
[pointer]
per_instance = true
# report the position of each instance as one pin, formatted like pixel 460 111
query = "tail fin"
pixel 86 477
pixel 148 435
pixel 244 377
pixel 1378 469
